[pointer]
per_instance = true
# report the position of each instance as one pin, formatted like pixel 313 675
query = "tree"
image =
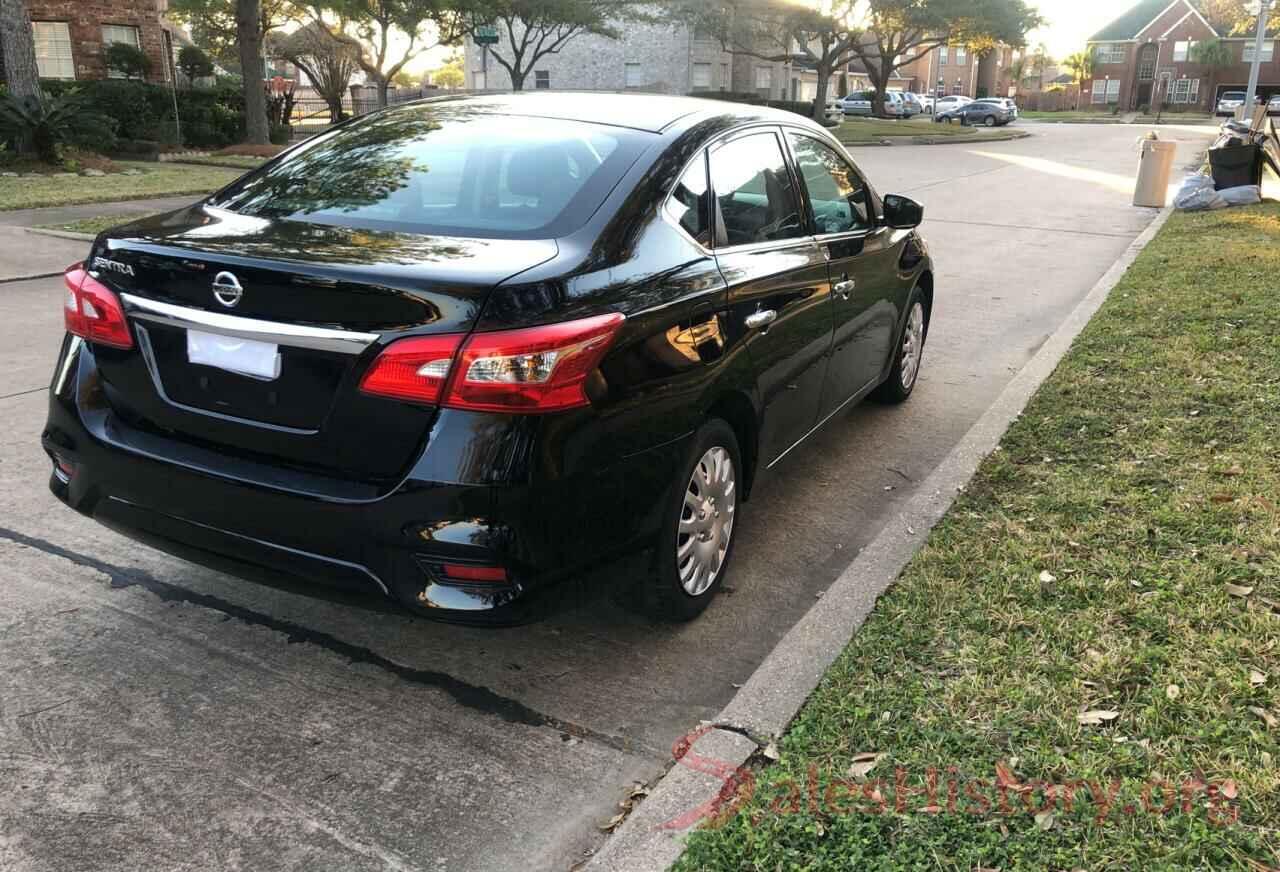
pixel 249 33
pixel 1040 61
pixel 1214 55
pixel 451 74
pixel 388 34
pixel 194 64
pixel 17 47
pixel 127 60
pixel 883 35
pixel 328 62
pixel 1080 65
pixel 213 25
pixel 1018 69
pixel 533 29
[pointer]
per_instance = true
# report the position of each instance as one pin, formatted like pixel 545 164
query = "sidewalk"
pixel 25 255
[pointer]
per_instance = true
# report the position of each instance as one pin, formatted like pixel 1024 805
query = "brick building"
pixel 71 35
pixel 1147 56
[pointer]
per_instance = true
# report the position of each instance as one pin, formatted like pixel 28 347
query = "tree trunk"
pixel 19 48
pixel 820 101
pixel 384 85
pixel 248 34
pixel 517 79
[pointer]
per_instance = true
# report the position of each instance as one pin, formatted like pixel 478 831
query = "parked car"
pixel 910 105
pixel 895 105
pixel 977 112
pixel 952 101
pixel 460 351
pixel 1229 102
pixel 926 102
pixel 1007 103
pixel 857 103
pixel 1273 105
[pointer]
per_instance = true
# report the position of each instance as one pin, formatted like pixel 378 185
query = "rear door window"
pixel 690 202
pixel 441 169
pixel 755 197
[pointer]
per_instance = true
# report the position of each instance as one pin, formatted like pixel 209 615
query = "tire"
pixel 902 380
pixel 662 592
pixel 989 121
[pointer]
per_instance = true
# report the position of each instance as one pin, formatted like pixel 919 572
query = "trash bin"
pixel 1154 166
pixel 1236 165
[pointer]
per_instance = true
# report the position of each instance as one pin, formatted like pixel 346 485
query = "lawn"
pixel 156 180
pixel 1085 117
pixel 874 129
pixel 1100 611
pixel 95 225
pixel 234 161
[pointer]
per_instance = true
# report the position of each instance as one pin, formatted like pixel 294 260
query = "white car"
pixel 953 101
pixel 926 100
pixel 1273 105
pixel 1230 102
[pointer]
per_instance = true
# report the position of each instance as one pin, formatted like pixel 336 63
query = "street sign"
pixel 486 34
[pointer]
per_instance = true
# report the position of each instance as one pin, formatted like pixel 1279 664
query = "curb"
pixel 768 701
pixel 925 139
pixel 62 234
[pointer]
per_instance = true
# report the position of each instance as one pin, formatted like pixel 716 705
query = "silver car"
pixel 1010 106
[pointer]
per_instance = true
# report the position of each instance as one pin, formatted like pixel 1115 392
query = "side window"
pixel 690 202
pixel 836 192
pixel 755 199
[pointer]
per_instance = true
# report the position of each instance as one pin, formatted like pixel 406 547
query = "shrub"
pixel 280 134
pixel 211 117
pixel 128 60
pixel 53 123
pixel 194 63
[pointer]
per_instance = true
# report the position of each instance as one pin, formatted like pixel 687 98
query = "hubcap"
pixel 706 521
pixel 912 345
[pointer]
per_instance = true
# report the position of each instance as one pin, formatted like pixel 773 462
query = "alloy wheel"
pixel 912 345
pixel 706 521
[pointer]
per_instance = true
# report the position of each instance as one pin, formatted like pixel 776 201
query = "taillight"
pixel 92 310
pixel 413 369
pixel 469 572
pixel 533 369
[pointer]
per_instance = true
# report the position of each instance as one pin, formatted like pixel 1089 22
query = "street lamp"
pixel 1260 9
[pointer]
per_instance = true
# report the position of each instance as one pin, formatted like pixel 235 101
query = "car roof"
pixel 649 112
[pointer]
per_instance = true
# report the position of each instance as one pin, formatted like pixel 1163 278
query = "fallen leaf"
pixel 1046 577
pixel 1005 776
pixel 1234 470
pixel 1266 758
pixel 771 751
pixel 1173 691
pixel 864 763
pixel 638 790
pixel 1094 717
pixel 613 823
pixel 1222 498
pixel 1044 820
pixel 1256 678
pixel 1229 789
pixel 1238 589
pixel 1271 720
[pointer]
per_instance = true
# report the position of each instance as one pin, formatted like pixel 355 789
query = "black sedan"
pixel 460 351
pixel 984 112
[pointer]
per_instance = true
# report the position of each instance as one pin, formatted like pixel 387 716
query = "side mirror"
pixel 902 213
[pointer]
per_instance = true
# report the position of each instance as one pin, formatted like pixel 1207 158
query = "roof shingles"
pixel 1130 23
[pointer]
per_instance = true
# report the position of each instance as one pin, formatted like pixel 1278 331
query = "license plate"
pixel 243 356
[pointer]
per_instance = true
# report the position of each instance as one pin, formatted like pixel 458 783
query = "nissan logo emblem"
pixel 226 289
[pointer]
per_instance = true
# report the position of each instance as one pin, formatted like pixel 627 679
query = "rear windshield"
pixel 445 169
pixel 1233 95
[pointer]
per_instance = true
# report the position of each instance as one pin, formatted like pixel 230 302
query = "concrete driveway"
pixel 157 715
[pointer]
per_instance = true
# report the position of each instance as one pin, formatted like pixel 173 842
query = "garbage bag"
pixel 1197 194
pixel 1242 195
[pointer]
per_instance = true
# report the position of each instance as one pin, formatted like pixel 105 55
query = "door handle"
pixel 844 289
pixel 761 318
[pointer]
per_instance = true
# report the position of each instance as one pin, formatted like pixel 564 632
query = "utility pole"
pixel 1262 7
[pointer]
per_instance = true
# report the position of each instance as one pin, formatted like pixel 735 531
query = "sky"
pixel 1071 22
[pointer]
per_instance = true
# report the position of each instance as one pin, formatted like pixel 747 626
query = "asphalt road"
pixel 157 715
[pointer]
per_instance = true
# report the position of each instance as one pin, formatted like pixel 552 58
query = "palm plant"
pixel 1214 55
pixel 49 124
pixel 1018 71
pixel 1080 65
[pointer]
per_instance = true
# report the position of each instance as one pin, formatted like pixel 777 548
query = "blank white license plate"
pixel 243 356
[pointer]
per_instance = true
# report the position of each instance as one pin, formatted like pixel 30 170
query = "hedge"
pixel 211 117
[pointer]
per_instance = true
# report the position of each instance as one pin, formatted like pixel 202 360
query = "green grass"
pixel 95 225
pixel 875 129
pixel 157 180
pixel 1119 552
pixel 233 161
pixel 1105 117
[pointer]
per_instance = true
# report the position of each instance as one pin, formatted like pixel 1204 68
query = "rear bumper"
pixel 550 537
